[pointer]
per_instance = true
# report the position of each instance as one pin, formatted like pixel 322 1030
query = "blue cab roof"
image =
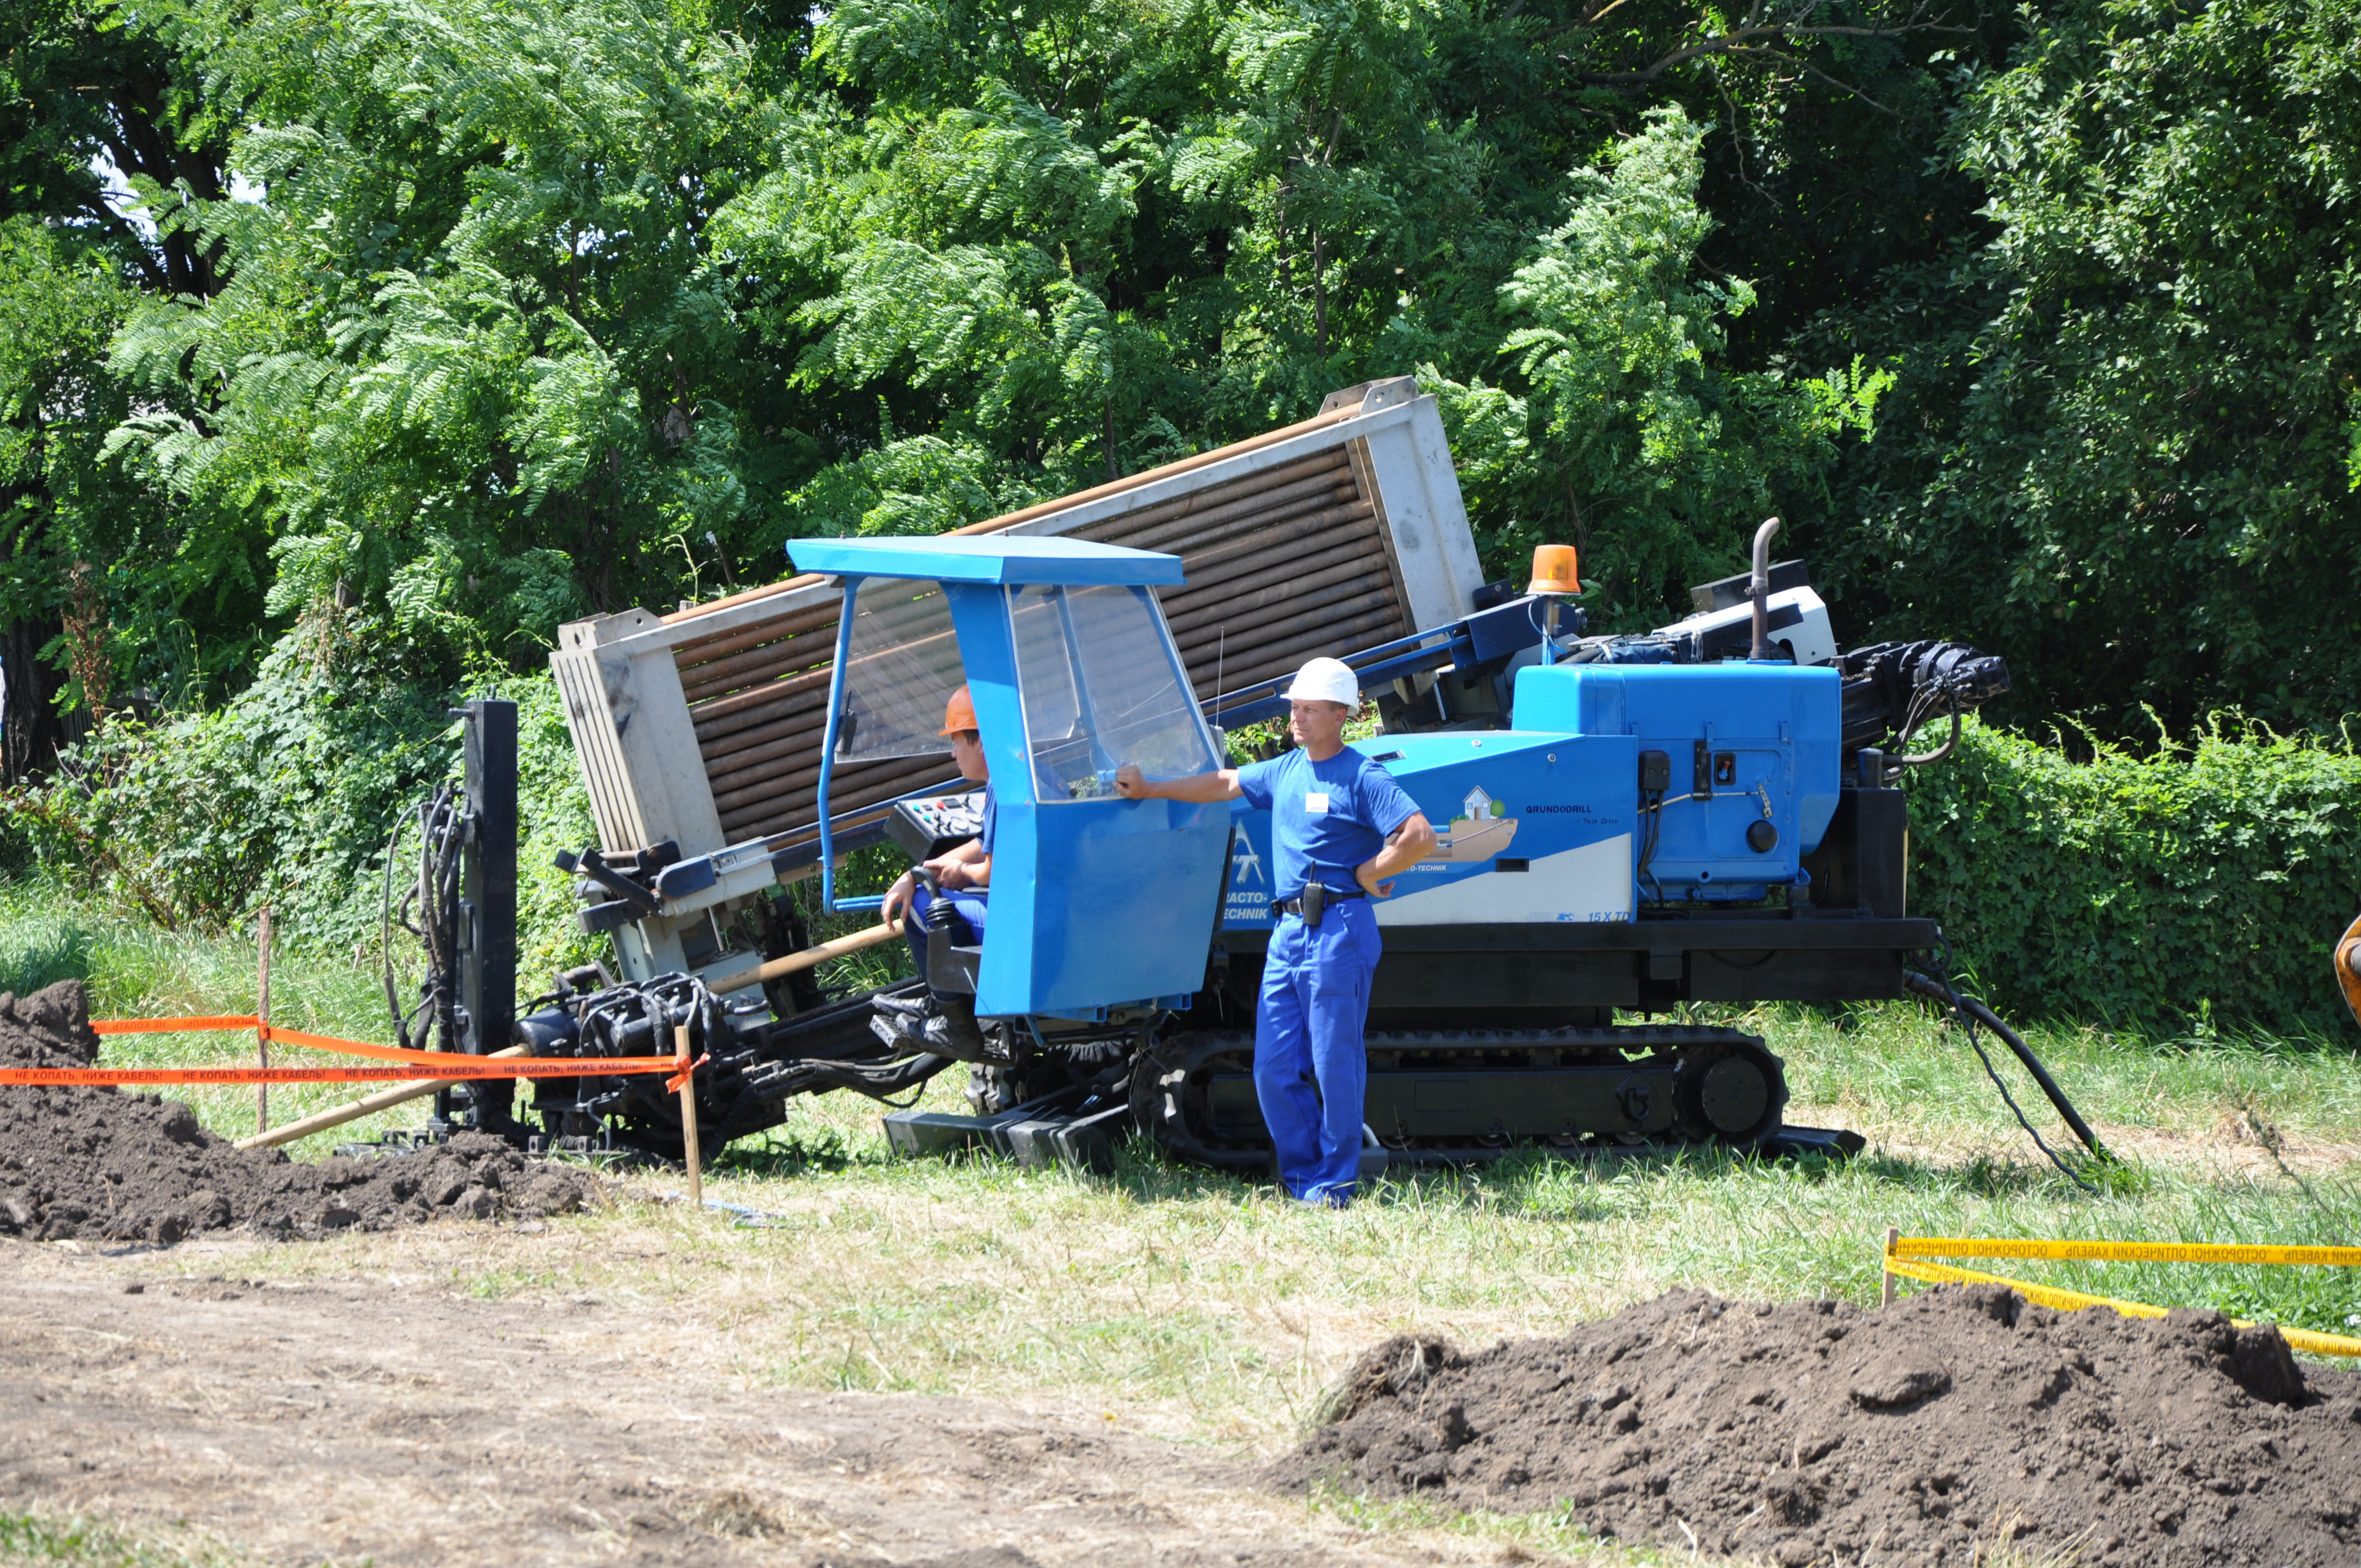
pixel 996 558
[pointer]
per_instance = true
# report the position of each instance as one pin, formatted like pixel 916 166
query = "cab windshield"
pixel 900 670
pixel 1102 687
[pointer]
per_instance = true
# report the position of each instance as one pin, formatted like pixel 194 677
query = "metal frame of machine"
pixel 681 762
pixel 1706 813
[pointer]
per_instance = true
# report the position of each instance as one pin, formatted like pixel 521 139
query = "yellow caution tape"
pixel 1896 1262
pixel 2126 1252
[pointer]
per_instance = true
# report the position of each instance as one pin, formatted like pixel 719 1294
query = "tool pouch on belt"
pixel 1315 903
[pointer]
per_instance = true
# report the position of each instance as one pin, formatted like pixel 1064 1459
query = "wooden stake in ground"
pixel 262 1031
pixel 1886 1291
pixel 688 1114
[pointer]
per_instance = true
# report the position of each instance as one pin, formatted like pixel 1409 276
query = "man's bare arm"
pixel 1201 789
pixel 962 865
pixel 1412 842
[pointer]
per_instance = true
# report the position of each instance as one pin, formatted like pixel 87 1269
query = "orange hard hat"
pixel 960 713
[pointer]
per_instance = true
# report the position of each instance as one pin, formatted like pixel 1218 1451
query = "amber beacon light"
pixel 1555 571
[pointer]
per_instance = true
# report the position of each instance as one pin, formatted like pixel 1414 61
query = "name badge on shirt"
pixel 1315 802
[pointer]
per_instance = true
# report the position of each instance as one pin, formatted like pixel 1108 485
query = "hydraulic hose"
pixel 877 1081
pixel 1973 1012
pixel 1939 752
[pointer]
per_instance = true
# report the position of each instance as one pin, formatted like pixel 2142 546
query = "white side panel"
pixel 1590 884
pixel 641 765
pixel 659 745
pixel 1418 502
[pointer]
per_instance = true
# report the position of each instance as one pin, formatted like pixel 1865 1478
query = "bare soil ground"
pixel 395 1421
pixel 87 1162
pixel 1921 1432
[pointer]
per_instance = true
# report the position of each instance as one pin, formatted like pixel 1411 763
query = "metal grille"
pixel 1281 563
pixel 593 724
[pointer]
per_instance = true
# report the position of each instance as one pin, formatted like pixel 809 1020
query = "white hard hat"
pixel 1325 680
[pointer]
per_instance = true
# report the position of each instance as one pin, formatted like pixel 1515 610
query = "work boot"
pixel 917 1006
pixel 929 1034
pixel 953 1031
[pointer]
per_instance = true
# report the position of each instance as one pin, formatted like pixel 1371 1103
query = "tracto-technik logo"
pixel 1245 864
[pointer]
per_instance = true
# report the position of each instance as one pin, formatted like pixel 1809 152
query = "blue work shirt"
pixel 991 820
pixel 1325 817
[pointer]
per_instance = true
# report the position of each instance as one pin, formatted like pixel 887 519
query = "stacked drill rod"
pixel 1281 563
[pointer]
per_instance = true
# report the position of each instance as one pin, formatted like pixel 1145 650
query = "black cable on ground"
pixel 1970 1014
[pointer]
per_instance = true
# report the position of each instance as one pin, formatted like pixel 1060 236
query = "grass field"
pixel 1198 1307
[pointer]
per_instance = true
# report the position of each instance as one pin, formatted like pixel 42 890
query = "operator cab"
pixel 1096 901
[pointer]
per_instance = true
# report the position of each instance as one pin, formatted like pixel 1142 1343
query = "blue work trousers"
pixel 967 909
pixel 1311 1069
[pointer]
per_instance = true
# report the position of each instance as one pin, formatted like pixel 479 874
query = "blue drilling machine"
pixel 1706 813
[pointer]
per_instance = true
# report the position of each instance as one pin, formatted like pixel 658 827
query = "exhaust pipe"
pixel 1759 590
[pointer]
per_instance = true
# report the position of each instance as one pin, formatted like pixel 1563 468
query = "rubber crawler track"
pixel 1171 1084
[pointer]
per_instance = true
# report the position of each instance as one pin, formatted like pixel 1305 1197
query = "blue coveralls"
pixel 1310 1069
pixel 968 904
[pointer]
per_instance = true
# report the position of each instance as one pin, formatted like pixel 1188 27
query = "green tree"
pixel 64 515
pixel 84 81
pixel 1048 246
pixel 472 367
pixel 2129 462
pixel 1633 438
pixel 513 311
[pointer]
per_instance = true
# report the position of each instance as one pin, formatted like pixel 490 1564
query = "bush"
pixel 286 796
pixel 2204 882
pixel 282 797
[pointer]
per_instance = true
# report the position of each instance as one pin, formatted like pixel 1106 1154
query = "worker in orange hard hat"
pixel 944 1022
pixel 2348 968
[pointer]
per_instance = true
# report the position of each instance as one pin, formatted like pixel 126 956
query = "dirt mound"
pixel 1814 1431
pixel 100 1164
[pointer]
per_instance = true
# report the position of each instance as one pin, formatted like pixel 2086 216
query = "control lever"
pixel 939 908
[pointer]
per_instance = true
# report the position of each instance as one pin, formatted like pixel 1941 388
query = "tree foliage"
pixel 2133 460
pixel 1636 436
pixel 470 318
pixel 424 325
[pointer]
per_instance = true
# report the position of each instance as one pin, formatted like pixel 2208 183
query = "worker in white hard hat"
pixel 1340 829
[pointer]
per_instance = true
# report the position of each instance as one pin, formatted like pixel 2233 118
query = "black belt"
pixel 1317 897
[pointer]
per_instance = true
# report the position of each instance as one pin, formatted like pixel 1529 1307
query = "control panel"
pixel 928 827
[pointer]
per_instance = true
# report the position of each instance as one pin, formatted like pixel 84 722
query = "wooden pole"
pixel 811 957
pixel 688 1114
pixel 368 1105
pixel 262 1033
pixel 1885 1293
